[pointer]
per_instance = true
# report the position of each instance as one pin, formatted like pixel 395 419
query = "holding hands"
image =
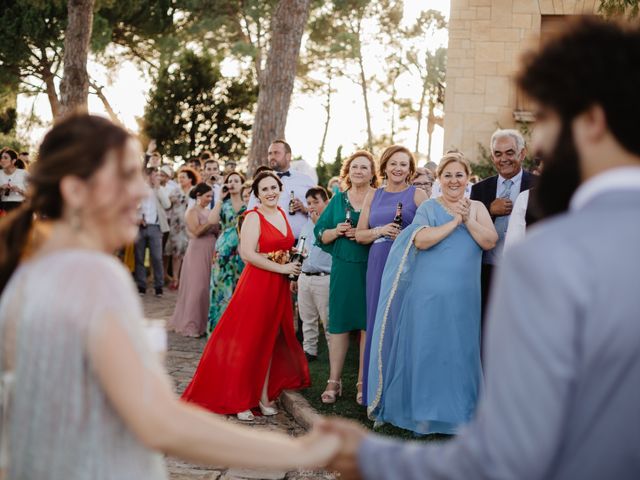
pixel 351 435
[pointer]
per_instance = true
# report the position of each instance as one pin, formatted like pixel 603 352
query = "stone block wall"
pixel 486 39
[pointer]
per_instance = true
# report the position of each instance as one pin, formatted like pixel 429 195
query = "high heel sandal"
pixel 359 394
pixel 267 411
pixel 246 416
pixel 329 396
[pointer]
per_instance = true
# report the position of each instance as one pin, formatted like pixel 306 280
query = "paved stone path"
pixel 182 359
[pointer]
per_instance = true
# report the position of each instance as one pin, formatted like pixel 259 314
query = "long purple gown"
pixel 383 211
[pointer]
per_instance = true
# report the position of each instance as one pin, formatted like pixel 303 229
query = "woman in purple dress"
pixel 390 209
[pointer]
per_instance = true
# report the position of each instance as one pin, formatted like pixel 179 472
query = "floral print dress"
pixel 178 240
pixel 228 265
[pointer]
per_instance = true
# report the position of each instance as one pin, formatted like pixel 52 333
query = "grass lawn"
pixel 346 405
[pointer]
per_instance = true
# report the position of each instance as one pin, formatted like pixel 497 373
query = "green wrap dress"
pixel 347 290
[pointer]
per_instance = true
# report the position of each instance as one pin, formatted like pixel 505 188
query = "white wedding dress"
pixel 59 425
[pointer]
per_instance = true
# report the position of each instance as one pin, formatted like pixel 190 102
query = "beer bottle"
pixel 398 218
pixel 298 256
pixel 347 216
pixel 292 202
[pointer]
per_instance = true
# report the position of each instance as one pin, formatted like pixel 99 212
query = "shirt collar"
pixel 516 180
pixel 610 180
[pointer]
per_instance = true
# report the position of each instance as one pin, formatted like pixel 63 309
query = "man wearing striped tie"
pixel 498 193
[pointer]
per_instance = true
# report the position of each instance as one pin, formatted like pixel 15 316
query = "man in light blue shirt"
pixel 313 283
pixel 562 393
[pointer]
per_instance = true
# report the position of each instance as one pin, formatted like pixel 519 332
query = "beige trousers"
pixel 313 306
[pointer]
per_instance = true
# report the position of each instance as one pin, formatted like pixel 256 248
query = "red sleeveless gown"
pixel 256 327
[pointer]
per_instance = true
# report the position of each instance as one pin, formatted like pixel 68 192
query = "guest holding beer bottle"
pixel 385 212
pixel 336 235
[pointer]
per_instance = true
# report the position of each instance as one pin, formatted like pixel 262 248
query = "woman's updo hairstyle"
pixel 261 176
pixel 78 146
pixel 199 190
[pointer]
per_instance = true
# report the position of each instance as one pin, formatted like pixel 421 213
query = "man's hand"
pixel 352 434
pixel 500 207
pixel 293 286
pixel 298 206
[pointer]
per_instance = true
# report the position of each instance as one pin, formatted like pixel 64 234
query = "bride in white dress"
pixel 89 400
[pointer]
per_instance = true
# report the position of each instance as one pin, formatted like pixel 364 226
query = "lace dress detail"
pixel 61 426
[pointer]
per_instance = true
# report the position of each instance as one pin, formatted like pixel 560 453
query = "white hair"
pixel 511 133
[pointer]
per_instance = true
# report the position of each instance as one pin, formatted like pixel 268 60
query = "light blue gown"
pixel 425 373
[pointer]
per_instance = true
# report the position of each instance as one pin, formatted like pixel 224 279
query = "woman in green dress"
pixel 335 232
pixel 228 265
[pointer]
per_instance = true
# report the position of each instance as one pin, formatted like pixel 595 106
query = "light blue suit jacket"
pixel 562 392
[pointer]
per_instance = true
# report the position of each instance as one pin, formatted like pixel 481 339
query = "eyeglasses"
pixel 419 184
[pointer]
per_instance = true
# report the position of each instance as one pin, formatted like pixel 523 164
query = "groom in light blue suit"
pixel 562 394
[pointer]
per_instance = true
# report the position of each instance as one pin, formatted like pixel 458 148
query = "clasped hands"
pixel 461 210
pixel 345 229
pixel 11 188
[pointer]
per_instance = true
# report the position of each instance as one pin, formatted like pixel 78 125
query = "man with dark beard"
pixel 562 393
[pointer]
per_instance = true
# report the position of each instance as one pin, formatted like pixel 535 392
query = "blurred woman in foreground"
pixel 88 397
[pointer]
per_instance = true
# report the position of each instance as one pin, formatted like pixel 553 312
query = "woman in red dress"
pixel 253 353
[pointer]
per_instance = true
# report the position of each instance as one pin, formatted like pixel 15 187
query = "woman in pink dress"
pixel 192 308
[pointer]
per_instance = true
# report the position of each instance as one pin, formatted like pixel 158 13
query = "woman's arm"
pixel 214 215
pixel 430 236
pixel 144 399
pixel 481 227
pixel 249 236
pixel 366 235
pixel 419 196
pixel 330 235
pixel 195 228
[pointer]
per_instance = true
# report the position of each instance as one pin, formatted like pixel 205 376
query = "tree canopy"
pixel 192 107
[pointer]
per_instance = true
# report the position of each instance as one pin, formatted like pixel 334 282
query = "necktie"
pixel 506 189
pixel 283 174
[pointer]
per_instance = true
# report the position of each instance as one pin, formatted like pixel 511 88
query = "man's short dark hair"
pixel 317 191
pixel 287 147
pixel 205 155
pixel 592 62
pixel 262 168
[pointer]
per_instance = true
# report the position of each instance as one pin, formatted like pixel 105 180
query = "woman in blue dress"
pixel 376 227
pixel 424 369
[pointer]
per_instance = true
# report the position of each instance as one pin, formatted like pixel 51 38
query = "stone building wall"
pixel 486 39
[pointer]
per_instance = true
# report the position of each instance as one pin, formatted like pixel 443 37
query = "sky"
pixel 128 87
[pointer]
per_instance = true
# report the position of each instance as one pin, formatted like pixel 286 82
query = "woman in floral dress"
pixel 228 265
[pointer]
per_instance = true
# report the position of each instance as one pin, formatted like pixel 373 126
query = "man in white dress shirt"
pixel 279 156
pixel 561 399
